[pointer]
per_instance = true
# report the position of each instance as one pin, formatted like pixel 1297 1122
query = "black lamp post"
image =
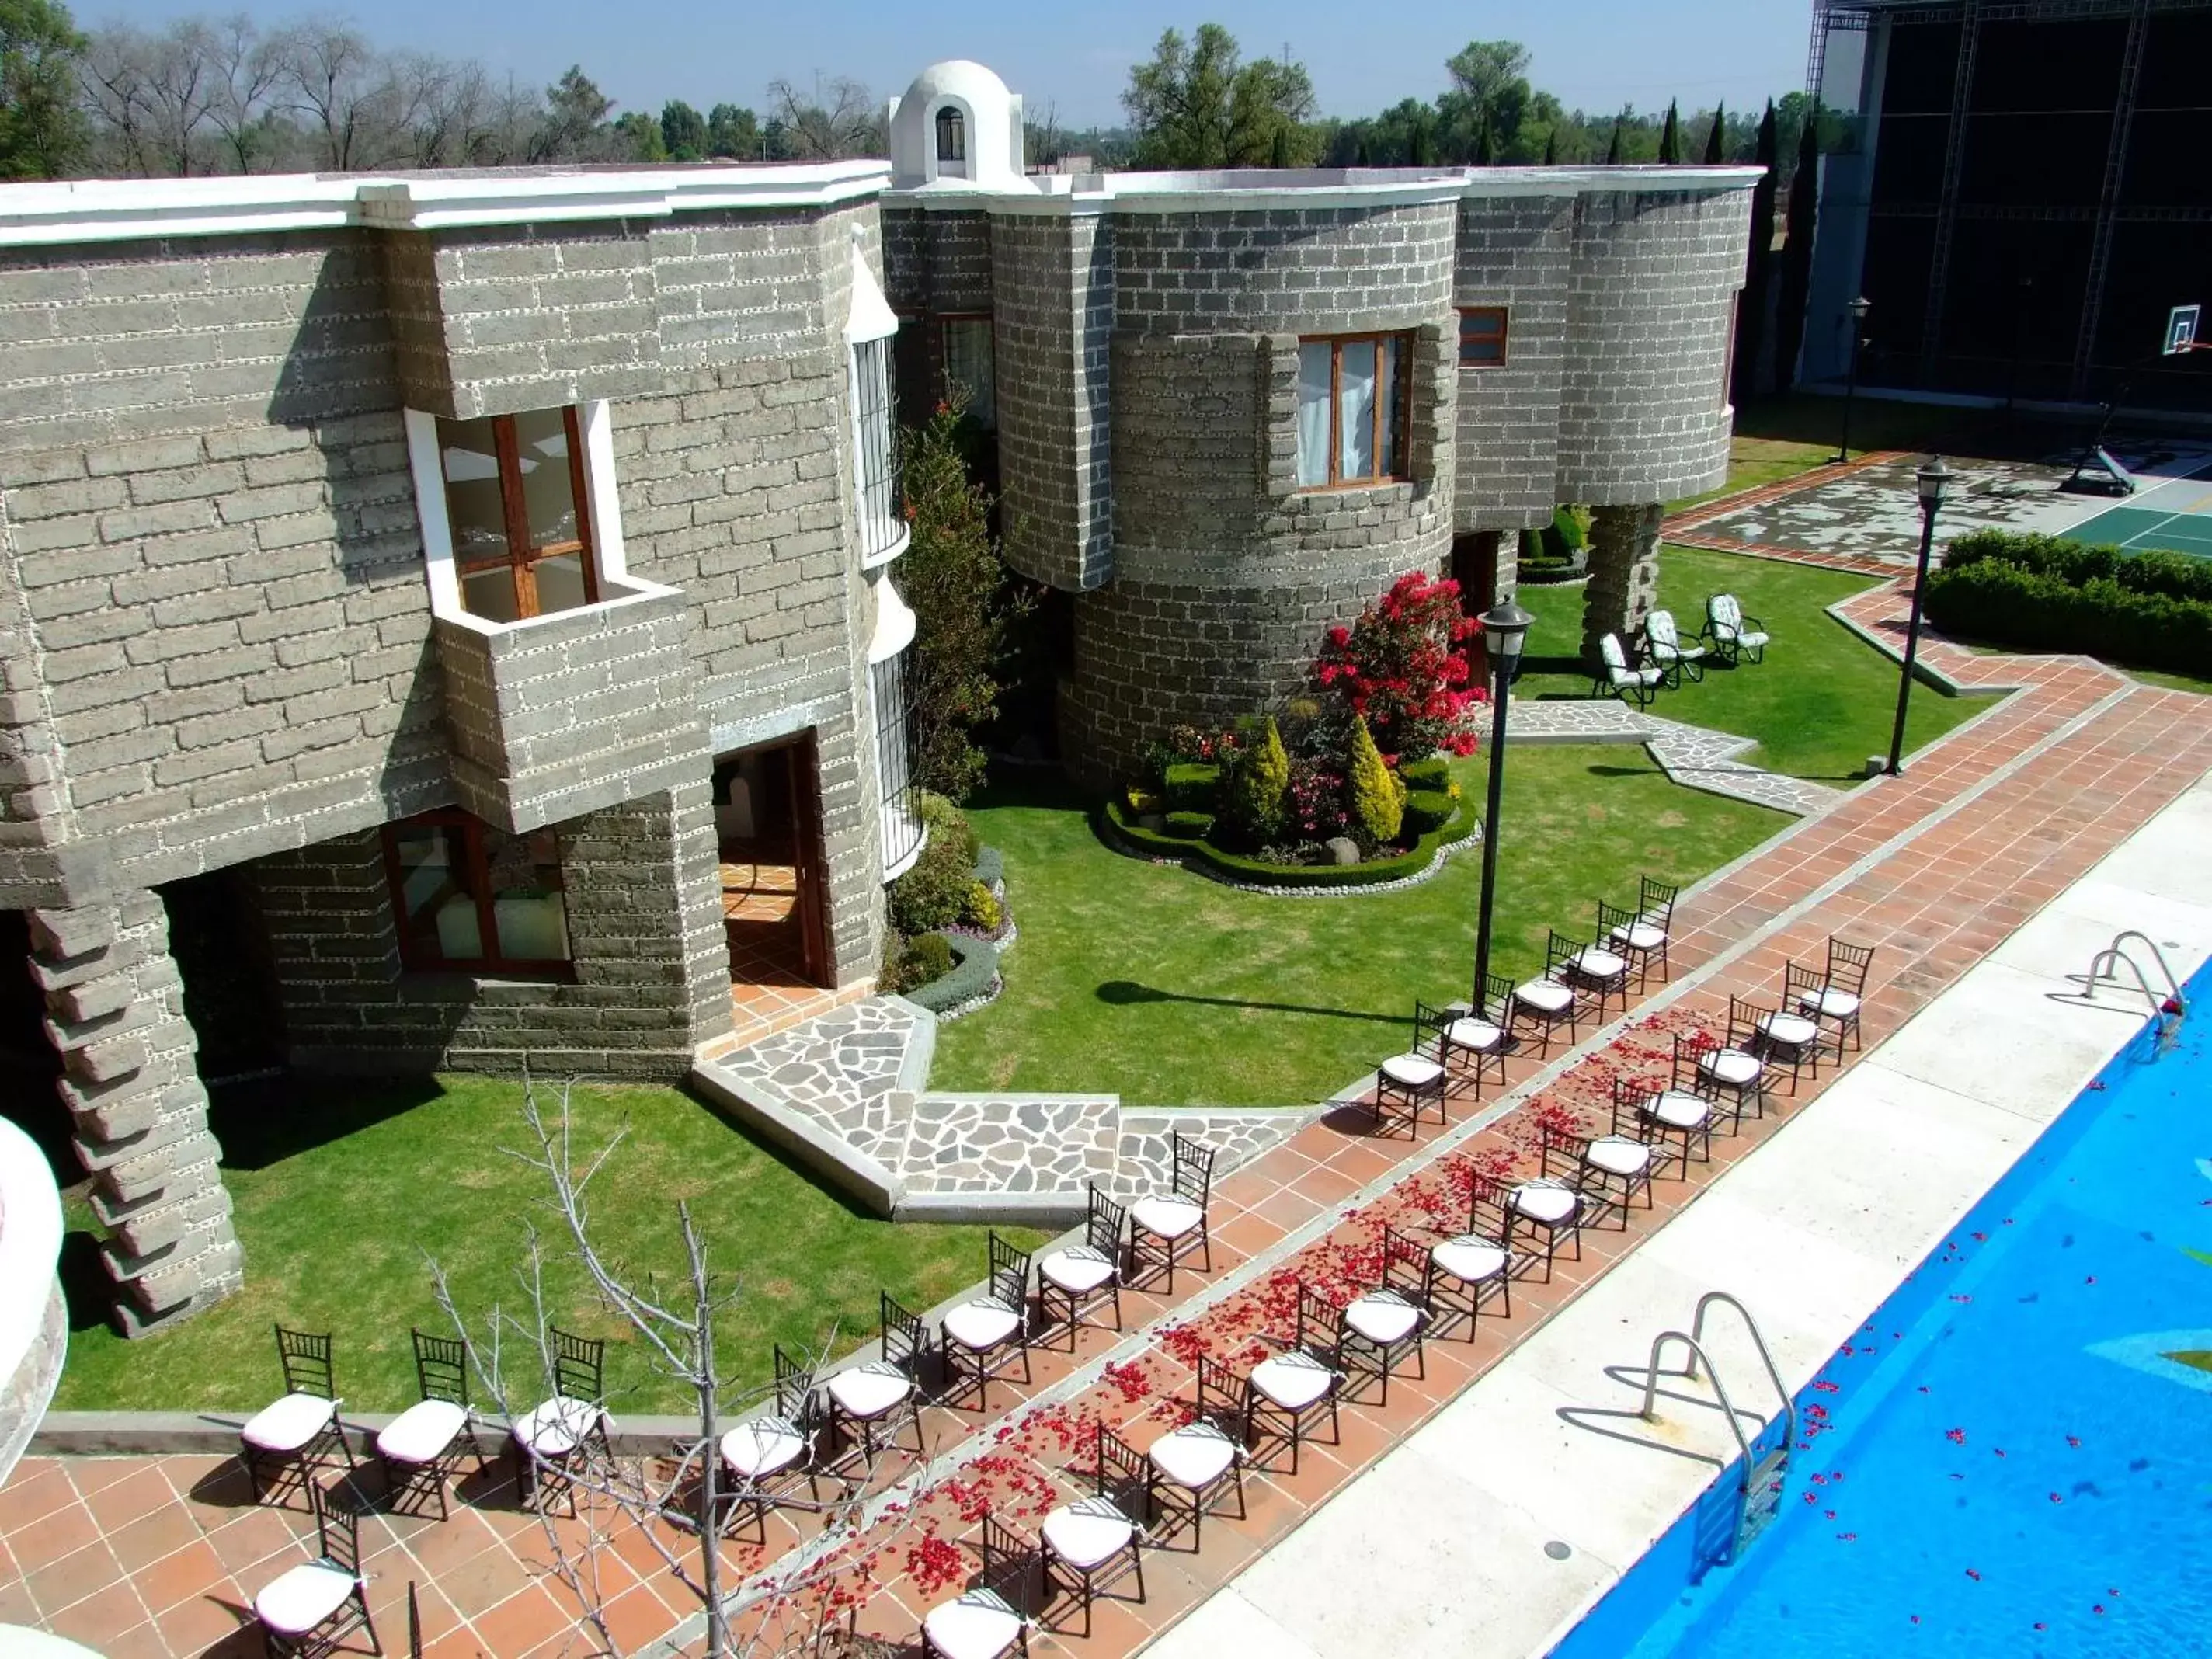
pixel 1934 476
pixel 1858 309
pixel 1504 626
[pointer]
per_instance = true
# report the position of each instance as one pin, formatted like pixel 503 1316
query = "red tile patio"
pixel 1935 869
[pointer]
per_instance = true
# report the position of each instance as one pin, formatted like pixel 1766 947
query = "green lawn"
pixel 1820 705
pixel 340 1191
pixel 1167 989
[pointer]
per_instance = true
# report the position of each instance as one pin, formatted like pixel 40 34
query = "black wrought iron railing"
pixel 894 759
pixel 883 522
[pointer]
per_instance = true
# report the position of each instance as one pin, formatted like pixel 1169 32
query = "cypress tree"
pixel 1759 265
pixel 1716 141
pixel 1670 138
pixel 1485 144
pixel 1278 151
pixel 1613 150
pixel 1551 148
pixel 1797 253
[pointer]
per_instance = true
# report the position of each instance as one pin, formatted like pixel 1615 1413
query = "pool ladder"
pixel 1725 1530
pixel 2167 1010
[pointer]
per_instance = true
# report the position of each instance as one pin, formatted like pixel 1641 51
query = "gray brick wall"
pixel 1513 252
pixel 938 262
pixel 1651 304
pixel 651 969
pixel 1053 287
pixel 1297 270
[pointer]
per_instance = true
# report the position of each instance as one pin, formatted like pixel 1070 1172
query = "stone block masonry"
pixel 1624 576
pixel 1513 252
pixel 651 971
pixel 115 1013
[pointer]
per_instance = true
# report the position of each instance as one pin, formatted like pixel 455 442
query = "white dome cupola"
pixel 955 126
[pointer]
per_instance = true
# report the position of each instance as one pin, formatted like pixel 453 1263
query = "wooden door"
pixel 803 771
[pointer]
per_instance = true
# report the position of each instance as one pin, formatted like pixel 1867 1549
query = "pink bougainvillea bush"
pixel 1403 667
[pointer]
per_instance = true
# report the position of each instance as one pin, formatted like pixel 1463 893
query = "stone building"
pixel 439 611
pixel 448 620
pixel 1232 407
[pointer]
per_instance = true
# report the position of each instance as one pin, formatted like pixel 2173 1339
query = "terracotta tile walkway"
pixel 1934 869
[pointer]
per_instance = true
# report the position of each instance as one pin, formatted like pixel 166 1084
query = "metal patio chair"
pixel 1407 1084
pixel 1193 1467
pixel 980 1337
pixel 1078 1279
pixel 556 1431
pixel 1165 1228
pixel 310 1608
pixel 420 1449
pixel 1089 1546
pixel 300 1429
pixel 1288 1394
pixel 1473 1269
pixel 886 1391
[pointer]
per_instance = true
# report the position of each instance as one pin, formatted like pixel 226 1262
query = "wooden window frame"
pixel 1503 314
pixel 1398 415
pixel 413 956
pixel 521 559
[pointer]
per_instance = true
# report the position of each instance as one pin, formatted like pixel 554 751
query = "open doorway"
pixel 768 832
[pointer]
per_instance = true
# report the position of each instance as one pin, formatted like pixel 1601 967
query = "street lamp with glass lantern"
pixel 1858 309
pixel 1504 626
pixel 1934 477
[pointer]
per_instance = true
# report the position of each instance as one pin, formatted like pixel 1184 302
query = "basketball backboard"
pixel 2181 330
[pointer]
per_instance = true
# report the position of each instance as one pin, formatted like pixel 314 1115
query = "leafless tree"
pixel 329 75
pixel 243 74
pixel 152 94
pixel 675 1502
pixel 839 120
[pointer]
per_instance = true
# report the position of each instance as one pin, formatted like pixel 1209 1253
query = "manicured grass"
pixel 1820 705
pixel 1167 989
pixel 340 1191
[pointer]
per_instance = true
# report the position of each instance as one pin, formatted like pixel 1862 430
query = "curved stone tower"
pixel 1232 408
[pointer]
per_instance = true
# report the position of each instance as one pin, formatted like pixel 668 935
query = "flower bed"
pixel 1118 827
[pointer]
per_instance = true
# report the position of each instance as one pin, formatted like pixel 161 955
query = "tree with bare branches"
pixel 678 1502
pixel 837 121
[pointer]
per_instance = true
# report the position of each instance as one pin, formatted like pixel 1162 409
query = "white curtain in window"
pixel 1386 391
pixel 1314 360
pixel 1356 405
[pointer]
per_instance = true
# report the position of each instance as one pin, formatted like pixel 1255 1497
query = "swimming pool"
pixel 2011 1457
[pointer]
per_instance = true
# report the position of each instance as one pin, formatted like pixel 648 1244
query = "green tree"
pixel 576 122
pixel 1670 138
pixel 42 128
pixel 1717 140
pixel 1197 105
pixel 1612 150
pixel 962 604
pixel 1551 148
pixel 733 133
pixel 1759 265
pixel 638 137
pixel 1796 274
pixel 682 131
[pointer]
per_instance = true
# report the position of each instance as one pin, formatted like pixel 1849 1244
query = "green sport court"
pixel 2176 516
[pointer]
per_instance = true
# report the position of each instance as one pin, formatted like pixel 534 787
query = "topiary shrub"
pixel 982 910
pixel 1252 794
pixel 913 963
pixel 973 973
pixel 1434 773
pixel 990 866
pixel 1427 810
pixel 2152 609
pixel 933 894
pixel 1189 826
pixel 1191 786
pixel 1378 798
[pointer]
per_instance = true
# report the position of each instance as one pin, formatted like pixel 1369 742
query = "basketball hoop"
pixel 2181 331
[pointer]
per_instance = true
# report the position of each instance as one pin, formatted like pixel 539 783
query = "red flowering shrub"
pixel 1403 668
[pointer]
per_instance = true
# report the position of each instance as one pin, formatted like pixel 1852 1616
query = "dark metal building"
pixel 2023 196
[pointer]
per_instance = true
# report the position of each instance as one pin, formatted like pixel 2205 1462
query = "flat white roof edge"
pixel 1140 192
pixel 131 209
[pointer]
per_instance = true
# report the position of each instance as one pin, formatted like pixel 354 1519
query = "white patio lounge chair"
pixel 1638 686
pixel 1663 647
pixel 1734 637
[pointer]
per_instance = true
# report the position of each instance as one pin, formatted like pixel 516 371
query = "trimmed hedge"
pixel 1189 826
pixel 1191 786
pixel 1117 827
pixel 1434 773
pixel 2152 610
pixel 1429 809
pixel 974 965
pixel 990 866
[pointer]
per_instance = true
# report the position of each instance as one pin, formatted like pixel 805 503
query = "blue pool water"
pixel 2003 1461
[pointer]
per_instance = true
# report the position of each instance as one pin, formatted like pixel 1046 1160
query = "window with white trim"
pixel 968 369
pixel 519 507
pixel 882 522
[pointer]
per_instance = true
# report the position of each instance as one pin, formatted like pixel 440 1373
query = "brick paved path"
pixel 1935 869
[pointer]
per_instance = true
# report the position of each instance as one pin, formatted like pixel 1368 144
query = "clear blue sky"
pixel 1596 54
